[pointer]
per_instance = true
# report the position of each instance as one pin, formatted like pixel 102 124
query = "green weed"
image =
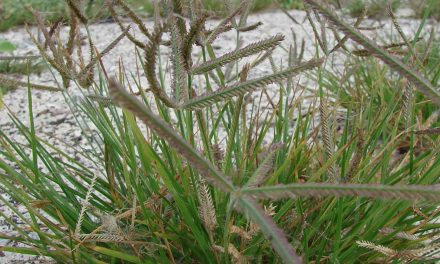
pixel 226 173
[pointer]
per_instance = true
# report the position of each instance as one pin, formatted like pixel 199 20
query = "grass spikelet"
pixel 177 8
pixel 115 16
pixel 238 54
pixel 232 250
pixel 250 27
pixel 136 19
pixel 239 231
pixel 50 43
pixel 206 208
pixel 73 32
pixel 384 250
pixel 79 52
pixel 129 213
pixel 195 28
pixel 407 102
pixel 429 252
pixel 219 154
pixel 61 58
pixel 315 31
pixel 428 48
pixel 416 78
pixel 73 5
pixel 260 59
pixel 402 235
pixel 400 31
pixel 248 86
pixel 179 79
pixel 327 137
pixel 101 238
pixel 85 205
pixel 232 134
pixel 150 66
pixel 219 31
pixel 107 49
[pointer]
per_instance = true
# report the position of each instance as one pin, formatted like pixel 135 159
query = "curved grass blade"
pixel 248 86
pixel 249 50
pixel 406 192
pixel 415 77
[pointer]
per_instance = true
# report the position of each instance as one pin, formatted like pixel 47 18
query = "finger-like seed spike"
pixel 251 49
pixel 73 5
pixel 248 86
pixel 150 66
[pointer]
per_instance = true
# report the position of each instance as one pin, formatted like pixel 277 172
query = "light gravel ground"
pixel 55 122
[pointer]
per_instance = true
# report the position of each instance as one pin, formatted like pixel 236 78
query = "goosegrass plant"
pixel 178 174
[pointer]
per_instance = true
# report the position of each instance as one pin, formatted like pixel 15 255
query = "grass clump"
pixel 211 173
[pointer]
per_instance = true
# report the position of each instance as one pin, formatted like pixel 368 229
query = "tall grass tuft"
pixel 217 165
